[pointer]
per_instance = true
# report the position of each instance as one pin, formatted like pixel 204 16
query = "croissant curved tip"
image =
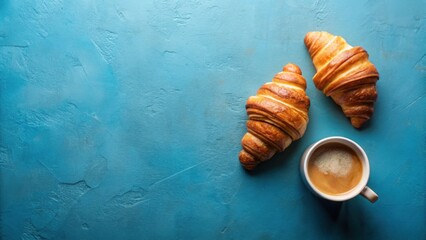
pixel 247 160
pixel 357 122
pixel 249 167
pixel 313 33
pixel 309 35
pixel 312 37
pixel 290 67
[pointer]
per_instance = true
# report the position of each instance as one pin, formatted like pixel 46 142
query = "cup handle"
pixel 369 194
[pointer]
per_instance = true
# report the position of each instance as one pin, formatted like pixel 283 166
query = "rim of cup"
pixel 361 155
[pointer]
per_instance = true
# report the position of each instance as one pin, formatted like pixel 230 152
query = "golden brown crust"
pixel 281 115
pixel 293 96
pixel 269 134
pixel 247 160
pixel 345 74
pixel 278 115
pixel 256 147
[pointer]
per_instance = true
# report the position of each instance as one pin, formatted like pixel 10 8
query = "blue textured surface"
pixel 123 120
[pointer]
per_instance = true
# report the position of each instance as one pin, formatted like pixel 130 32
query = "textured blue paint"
pixel 123 119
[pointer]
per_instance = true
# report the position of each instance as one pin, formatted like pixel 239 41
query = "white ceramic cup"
pixel 360 188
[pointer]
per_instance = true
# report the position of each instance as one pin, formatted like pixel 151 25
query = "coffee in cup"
pixel 336 168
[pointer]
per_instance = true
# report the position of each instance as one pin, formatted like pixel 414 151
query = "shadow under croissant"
pixel 367 124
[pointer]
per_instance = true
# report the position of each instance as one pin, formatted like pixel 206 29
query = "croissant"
pixel 278 115
pixel 344 73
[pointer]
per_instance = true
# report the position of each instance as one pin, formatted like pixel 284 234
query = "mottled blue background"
pixel 122 119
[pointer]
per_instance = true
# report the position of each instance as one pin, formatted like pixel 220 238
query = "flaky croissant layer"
pixel 278 115
pixel 345 74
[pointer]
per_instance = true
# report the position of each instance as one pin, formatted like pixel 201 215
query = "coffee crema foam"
pixel 334 162
pixel 334 169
